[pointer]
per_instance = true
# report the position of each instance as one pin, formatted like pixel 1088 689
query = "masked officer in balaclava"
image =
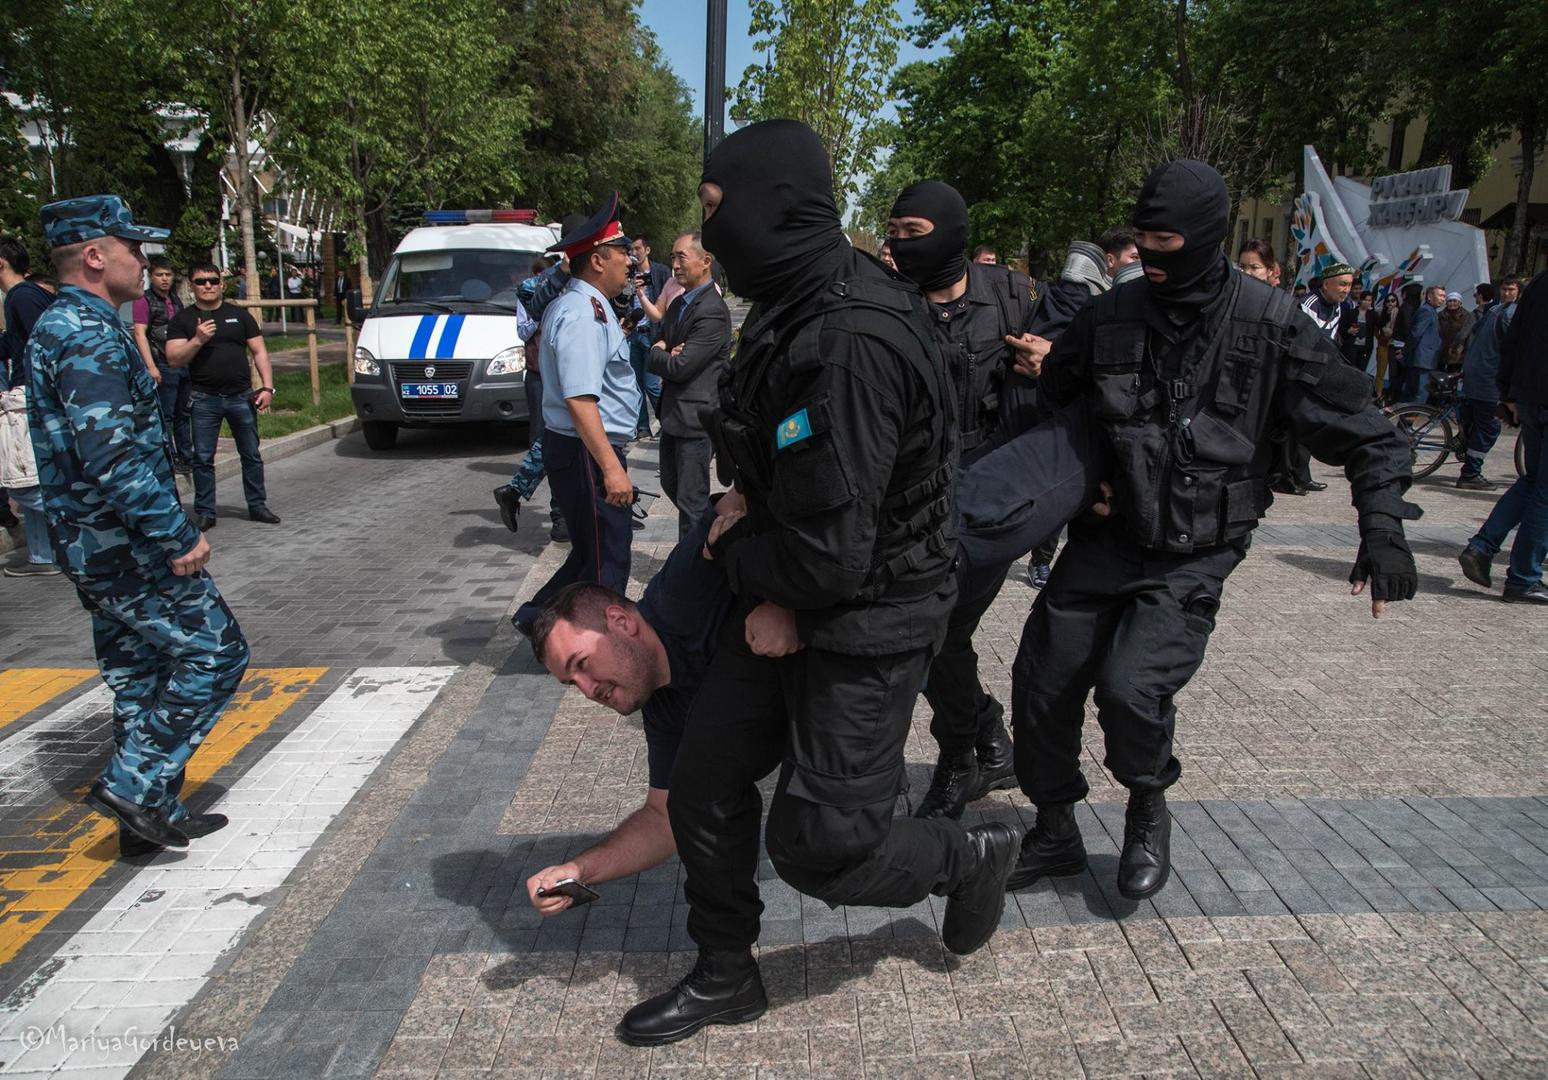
pixel 973 308
pixel 1187 372
pixel 835 415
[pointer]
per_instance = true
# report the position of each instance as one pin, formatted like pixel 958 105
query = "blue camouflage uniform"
pixel 168 647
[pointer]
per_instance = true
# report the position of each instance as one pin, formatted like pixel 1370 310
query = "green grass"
pixel 293 409
pixel 281 342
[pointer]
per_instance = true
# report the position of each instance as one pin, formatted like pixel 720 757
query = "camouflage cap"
pixel 73 221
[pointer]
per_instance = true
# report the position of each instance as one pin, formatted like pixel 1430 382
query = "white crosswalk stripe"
pixel 101 1001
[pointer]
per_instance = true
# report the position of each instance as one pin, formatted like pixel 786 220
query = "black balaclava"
pixel 935 260
pixel 777 222
pixel 1189 198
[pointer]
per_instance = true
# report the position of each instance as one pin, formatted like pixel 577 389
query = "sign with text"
pixel 1421 197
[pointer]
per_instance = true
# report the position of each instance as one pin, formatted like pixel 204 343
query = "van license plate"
pixel 428 389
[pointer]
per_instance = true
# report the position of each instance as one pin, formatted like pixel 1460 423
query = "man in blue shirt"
pixel 591 402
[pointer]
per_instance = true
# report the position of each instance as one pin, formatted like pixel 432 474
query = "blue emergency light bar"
pixel 480 217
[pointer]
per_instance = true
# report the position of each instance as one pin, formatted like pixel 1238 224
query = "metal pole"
pixel 714 76
pixel 279 249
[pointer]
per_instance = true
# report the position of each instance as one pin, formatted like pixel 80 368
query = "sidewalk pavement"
pixel 1360 851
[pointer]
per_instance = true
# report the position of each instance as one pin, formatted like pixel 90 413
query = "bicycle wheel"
pixel 1521 461
pixel 1428 431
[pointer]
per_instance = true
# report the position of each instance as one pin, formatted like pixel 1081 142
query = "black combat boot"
pixel 1146 861
pixel 1052 849
pixel 951 788
pixel 996 763
pixel 724 987
pixel 974 908
pixel 510 506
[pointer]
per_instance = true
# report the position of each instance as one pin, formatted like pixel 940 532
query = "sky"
pixel 679 26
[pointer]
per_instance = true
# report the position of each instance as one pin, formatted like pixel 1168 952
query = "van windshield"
pixel 456 279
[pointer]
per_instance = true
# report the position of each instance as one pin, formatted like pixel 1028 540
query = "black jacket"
pixel 1524 352
pixel 1189 412
pixel 689 379
pixel 836 416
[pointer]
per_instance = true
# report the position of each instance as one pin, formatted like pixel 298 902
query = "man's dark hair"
pixel 985 249
pixel 1510 279
pixel 1485 290
pixel 200 267
pixel 160 262
pixel 1117 240
pixel 582 604
pixel 14 252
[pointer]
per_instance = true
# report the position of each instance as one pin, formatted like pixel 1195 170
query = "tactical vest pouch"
pixel 810 475
pixel 1237 381
pixel 738 442
pixel 1115 367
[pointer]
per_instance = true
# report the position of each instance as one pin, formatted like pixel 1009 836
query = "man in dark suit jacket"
pixel 694 345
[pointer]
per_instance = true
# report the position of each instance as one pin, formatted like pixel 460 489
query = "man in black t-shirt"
pixel 213 339
pixel 650 657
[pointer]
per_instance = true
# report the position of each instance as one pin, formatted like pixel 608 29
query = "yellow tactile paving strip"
pixel 24 689
pixel 77 845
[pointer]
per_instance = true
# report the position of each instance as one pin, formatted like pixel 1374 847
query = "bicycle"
pixel 1434 428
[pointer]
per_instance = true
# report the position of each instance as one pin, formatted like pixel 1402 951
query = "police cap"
pixel 600 228
pixel 74 221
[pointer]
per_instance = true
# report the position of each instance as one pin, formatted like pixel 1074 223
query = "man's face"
pixel 1157 240
pixel 906 228
pixel 640 250
pixel 1336 288
pixel 611 667
pixel 1116 262
pixel 988 258
pixel 1509 294
pixel 614 274
pixel 1453 306
pixel 206 287
pixel 121 264
pixel 161 279
pixel 690 266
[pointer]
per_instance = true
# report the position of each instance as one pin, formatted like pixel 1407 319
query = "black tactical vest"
pixel 973 345
pixel 916 536
pixel 1189 424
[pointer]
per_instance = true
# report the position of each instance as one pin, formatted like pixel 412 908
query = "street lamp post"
pixel 714 76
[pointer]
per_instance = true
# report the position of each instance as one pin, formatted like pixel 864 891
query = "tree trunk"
pixel 1514 259
pixel 362 259
pixel 237 109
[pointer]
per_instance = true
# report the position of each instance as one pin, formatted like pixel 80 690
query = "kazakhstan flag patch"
pixel 793 429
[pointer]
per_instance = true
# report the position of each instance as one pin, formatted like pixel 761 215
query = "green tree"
pixel 370 117
pixel 81 77
pixel 827 63
pixel 607 113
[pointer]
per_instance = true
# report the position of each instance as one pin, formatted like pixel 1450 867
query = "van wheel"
pixel 379 434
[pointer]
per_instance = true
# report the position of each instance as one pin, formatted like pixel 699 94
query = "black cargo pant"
pixel 960 707
pixel 834 726
pixel 1124 622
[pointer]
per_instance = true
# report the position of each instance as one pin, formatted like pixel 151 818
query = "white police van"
pixel 439 345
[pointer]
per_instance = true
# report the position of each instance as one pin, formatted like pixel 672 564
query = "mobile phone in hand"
pixel 578 892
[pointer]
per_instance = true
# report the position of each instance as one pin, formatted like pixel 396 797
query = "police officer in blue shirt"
pixel 167 644
pixel 591 402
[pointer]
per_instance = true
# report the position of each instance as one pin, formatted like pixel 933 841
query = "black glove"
pixel 1386 561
